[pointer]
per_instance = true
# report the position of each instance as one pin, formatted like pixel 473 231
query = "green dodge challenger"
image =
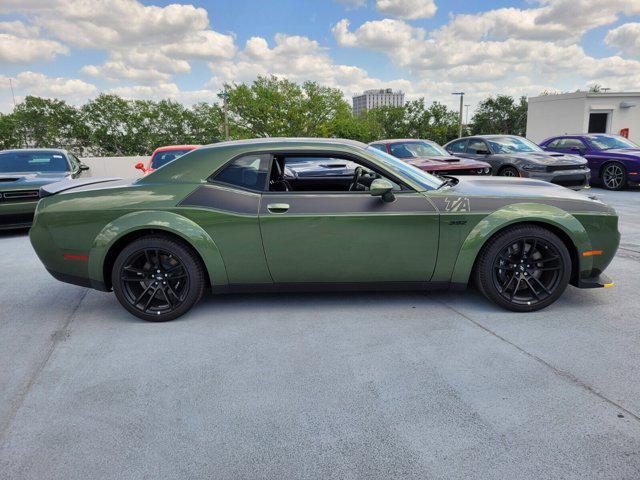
pixel 287 214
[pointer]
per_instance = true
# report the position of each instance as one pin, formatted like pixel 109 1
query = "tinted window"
pixel 249 172
pixel 380 147
pixel 477 146
pixel 569 143
pixel 555 143
pixel 162 158
pixel 417 149
pixel 457 147
pixel 607 142
pixel 25 161
pixel 512 145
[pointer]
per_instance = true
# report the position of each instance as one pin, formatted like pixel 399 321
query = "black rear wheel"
pixel 157 279
pixel 524 268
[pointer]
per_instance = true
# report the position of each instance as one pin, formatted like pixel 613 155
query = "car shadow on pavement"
pixel 18 232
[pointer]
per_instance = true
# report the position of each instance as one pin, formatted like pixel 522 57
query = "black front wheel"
pixel 157 279
pixel 509 172
pixel 614 176
pixel 523 268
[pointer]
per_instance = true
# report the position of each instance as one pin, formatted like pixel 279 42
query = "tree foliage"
pixel 266 107
pixel 501 114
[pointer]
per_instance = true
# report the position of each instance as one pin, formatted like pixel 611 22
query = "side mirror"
pixel 83 167
pixel 140 166
pixel 382 188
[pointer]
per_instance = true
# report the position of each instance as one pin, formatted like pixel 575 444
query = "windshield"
pixel 512 145
pixel 417 149
pixel 162 158
pixel 25 161
pixel 607 142
pixel 404 170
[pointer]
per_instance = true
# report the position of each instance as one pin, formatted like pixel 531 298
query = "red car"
pixel 163 155
pixel 431 157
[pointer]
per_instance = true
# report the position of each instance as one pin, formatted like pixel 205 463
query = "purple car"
pixel 614 161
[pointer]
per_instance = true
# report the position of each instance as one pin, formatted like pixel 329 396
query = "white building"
pixel 384 97
pixel 584 112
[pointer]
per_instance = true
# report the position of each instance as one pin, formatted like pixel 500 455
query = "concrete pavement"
pixel 393 385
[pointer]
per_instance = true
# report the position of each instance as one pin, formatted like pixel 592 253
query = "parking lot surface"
pixel 358 385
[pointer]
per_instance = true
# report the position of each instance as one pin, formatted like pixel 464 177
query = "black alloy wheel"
pixel 509 172
pixel 524 268
pixel 614 176
pixel 157 279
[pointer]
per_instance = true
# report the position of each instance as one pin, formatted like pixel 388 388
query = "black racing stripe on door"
pixel 459 204
pixel 318 204
pixel 225 199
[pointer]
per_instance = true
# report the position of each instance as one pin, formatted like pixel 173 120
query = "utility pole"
pixel 466 114
pixel 13 95
pixel 224 95
pixel 461 94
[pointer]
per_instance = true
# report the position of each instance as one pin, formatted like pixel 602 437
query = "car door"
pixel 348 236
pixel 478 149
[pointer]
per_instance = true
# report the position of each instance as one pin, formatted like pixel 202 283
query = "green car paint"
pixel 19 188
pixel 426 236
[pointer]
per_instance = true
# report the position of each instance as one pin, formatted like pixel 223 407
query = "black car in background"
pixel 513 156
pixel 23 172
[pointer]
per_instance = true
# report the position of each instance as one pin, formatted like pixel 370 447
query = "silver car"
pixel 513 156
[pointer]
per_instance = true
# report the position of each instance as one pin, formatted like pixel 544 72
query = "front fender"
pixel 513 214
pixel 190 231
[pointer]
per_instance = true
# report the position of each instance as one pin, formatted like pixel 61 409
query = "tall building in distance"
pixel 383 97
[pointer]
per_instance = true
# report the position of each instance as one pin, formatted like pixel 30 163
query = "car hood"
pixel 440 162
pixel 548 158
pixel 511 187
pixel 30 180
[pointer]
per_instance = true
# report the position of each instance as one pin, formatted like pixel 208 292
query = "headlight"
pixel 534 167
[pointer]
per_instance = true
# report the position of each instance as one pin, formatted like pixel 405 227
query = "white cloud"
pixel 15 49
pixel 298 59
pixel 33 83
pixel 626 37
pixel 407 9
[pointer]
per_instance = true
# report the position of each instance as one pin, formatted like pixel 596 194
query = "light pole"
pixel 461 108
pixel 466 114
pixel 224 95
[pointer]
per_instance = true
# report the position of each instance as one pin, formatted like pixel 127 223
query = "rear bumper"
pixel 79 281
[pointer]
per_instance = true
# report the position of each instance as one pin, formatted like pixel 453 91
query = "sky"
pixel 77 49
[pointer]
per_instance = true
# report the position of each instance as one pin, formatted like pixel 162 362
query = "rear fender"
pixel 511 215
pixel 170 222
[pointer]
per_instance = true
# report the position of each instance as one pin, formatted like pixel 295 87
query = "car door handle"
pixel 278 207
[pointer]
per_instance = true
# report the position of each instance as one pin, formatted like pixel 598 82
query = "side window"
pixel 457 147
pixel 555 143
pixel 571 143
pixel 248 172
pixel 380 147
pixel 477 147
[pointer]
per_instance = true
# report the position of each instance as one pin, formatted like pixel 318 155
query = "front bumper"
pixel 574 179
pixel 14 215
pixel 601 281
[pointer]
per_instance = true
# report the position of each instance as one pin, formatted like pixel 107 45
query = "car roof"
pixel 292 140
pixel 169 148
pixel 59 150
pixel 396 140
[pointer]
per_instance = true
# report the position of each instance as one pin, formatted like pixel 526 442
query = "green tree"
pixel 44 122
pixel 114 126
pixel 10 135
pixel 501 114
pixel 272 107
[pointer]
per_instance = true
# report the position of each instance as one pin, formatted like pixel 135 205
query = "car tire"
pixel 523 268
pixel 613 176
pixel 157 278
pixel 509 172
